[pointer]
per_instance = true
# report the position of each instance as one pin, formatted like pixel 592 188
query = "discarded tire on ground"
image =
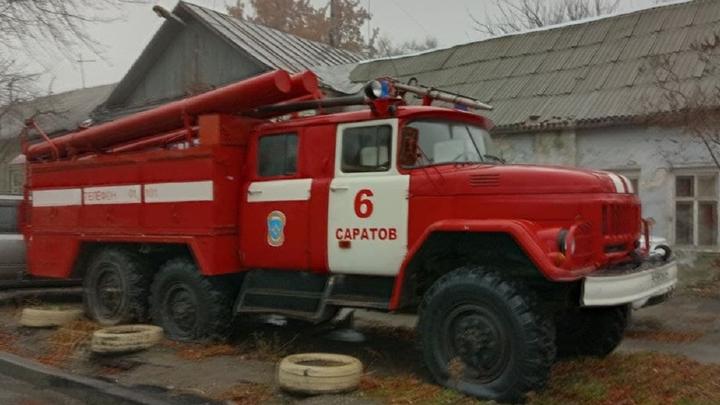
pixel 46 317
pixel 125 338
pixel 319 373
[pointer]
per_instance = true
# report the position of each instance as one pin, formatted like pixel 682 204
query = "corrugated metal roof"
pixel 582 72
pixel 55 113
pixel 275 49
pixel 260 47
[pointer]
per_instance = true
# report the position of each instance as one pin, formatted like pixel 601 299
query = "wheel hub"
pixel 476 337
pixel 181 309
pixel 476 342
pixel 109 292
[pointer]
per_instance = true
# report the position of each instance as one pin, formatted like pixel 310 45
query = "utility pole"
pixel 333 38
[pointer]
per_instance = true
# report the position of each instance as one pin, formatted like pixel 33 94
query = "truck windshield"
pixel 441 142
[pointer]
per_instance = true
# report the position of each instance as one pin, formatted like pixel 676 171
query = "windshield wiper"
pixel 495 158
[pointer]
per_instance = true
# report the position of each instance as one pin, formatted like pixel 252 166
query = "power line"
pixel 411 17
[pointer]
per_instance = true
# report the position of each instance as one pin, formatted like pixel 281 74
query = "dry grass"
pixel 198 351
pixel 709 289
pixel 266 347
pixel 393 333
pixel 66 340
pixel 642 378
pixel 408 390
pixel 666 336
pixel 258 346
pixel 7 341
pixel 246 394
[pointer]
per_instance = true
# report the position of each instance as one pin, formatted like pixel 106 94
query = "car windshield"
pixel 441 142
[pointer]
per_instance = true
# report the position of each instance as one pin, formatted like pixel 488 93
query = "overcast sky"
pixel 122 40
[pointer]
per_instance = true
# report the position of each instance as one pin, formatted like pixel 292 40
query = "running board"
pixel 38 283
pixel 308 296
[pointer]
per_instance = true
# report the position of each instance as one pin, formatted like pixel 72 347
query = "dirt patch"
pixel 65 341
pixel 197 351
pixel 394 373
pixel 321 363
pixel 665 336
pixel 409 389
pixel 708 289
pixel 7 341
pixel 246 394
pixel 642 378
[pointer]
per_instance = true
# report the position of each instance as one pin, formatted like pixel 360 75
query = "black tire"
pixel 591 331
pixel 189 306
pixel 491 312
pixel 116 286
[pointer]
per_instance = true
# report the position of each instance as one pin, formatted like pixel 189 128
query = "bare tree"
pixel 38 30
pixel 15 84
pixel 688 99
pixel 385 46
pixel 510 16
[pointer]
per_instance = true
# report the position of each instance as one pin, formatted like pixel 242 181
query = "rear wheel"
pixel 485 336
pixel 116 286
pixel 591 331
pixel 190 306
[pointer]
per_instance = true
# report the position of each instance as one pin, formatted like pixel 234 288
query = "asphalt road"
pixel 17 392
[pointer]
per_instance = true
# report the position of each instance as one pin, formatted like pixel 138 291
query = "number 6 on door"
pixel 363 204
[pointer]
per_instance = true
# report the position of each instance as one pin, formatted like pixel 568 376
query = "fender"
pixel 521 231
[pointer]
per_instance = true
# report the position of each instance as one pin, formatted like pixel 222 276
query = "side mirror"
pixel 409 147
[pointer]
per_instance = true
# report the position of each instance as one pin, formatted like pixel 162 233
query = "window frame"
pixel 259 176
pixel 695 201
pixel 340 133
pixel 447 121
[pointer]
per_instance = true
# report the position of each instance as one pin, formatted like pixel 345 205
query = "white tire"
pixel 319 373
pixel 47 317
pixel 125 338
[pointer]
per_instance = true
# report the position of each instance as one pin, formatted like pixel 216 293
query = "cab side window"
pixel 366 149
pixel 277 155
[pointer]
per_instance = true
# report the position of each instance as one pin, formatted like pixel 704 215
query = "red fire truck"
pixel 238 202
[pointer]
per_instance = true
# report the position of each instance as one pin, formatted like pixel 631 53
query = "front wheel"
pixel 485 336
pixel 189 306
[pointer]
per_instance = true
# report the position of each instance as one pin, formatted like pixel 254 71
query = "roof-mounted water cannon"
pixel 430 94
pixel 382 96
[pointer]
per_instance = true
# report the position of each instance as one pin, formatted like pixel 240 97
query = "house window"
pixel 277 155
pixel 696 209
pixel 366 149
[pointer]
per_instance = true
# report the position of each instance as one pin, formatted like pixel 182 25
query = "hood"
pixel 521 179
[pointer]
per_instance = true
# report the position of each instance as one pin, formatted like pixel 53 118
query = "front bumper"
pixel 650 282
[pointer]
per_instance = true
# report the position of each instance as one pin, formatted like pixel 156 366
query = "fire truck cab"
pixel 391 207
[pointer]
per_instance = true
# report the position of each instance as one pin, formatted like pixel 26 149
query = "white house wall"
pixel 656 154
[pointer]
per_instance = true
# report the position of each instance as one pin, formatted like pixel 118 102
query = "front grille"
pixel 583 244
pixel 621 219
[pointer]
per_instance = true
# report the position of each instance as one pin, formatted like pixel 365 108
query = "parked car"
pixel 12 245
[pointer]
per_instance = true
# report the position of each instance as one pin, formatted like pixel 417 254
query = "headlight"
pixel 566 242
